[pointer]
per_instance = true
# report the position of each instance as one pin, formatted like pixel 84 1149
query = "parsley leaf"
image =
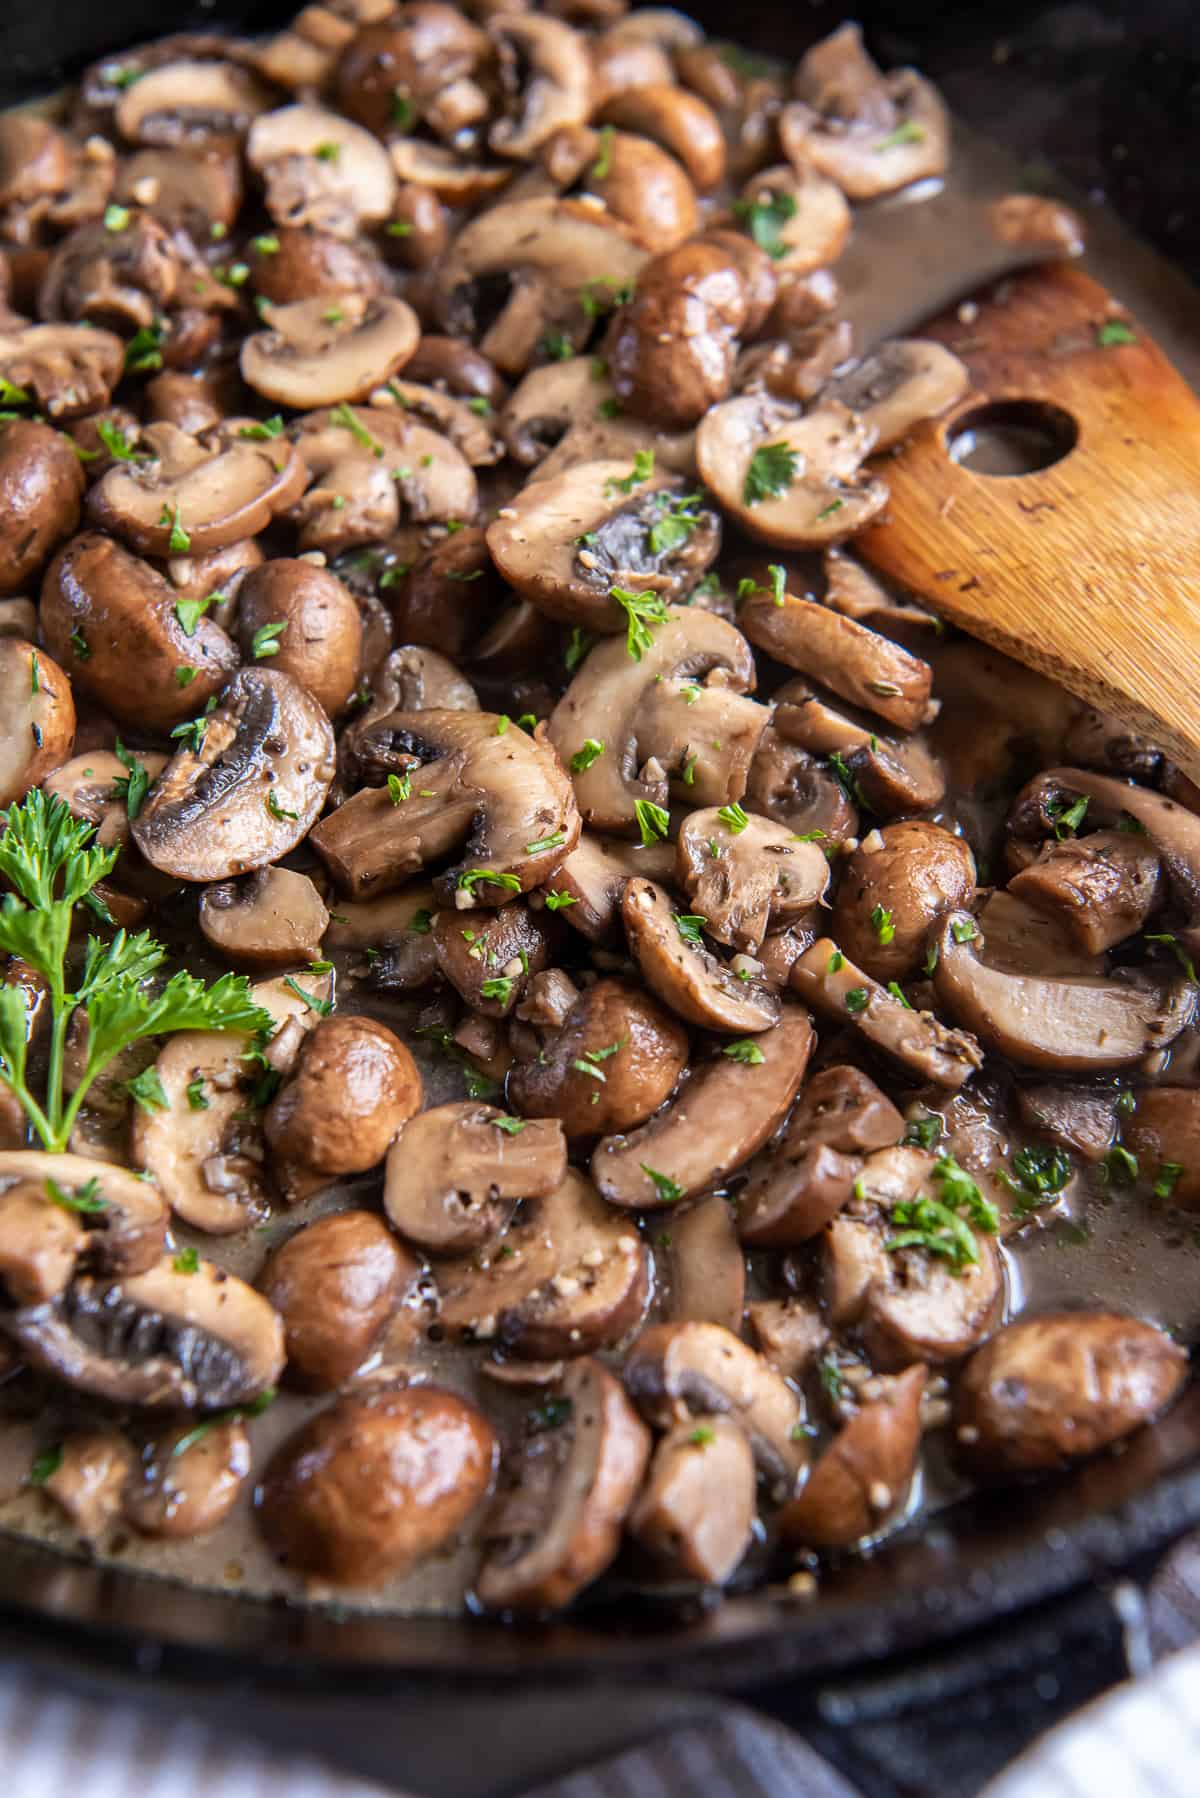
pixel 770 473
pixel 135 783
pixel 744 1051
pixel 583 758
pixel 765 219
pixel 667 1191
pixel 652 821
pixel 642 611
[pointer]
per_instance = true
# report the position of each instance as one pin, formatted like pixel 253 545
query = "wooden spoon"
pixel 1087 569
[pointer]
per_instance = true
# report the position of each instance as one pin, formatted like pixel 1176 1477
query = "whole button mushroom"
pixel 671 350
pixel 38 714
pixel 1047 1390
pixel 894 889
pixel 306 621
pixel 374 1485
pixel 336 1283
pixel 353 1088
pixel 611 1065
pixel 41 491
pixel 105 611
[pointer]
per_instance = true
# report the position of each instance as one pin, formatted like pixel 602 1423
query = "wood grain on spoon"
pixel 1087 570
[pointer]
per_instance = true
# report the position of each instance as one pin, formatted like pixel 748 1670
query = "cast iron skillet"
pixel 924 1668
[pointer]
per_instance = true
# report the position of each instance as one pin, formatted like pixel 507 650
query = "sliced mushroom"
pixel 892 775
pixel 359 494
pixel 613 1061
pixel 70 369
pixel 317 354
pixel 117 1223
pixel 547 251
pixel 375 1484
pixel 744 882
pixel 797 790
pixel 564 413
pixel 864 667
pixel 898 386
pixel 638 183
pixel 104 611
pixel 503 790
pixel 677 1371
pixel 689 682
pixel 40 1241
pixel 90 1479
pixel 456 1172
pixel 336 1284
pixel 1102 887
pixel 187 1483
pixel 742 1103
pixel 681 122
pixel 871 133
pixel 808 218
pixel 684 973
pixel 122 280
pixel 271 919
pixel 204 1150
pixel 701 1264
pixel 570 1276
pixel 189 97
pixel 696 1512
pixel 592 877
pixel 788 477
pixel 321 170
pixel 565 543
pixel 1075 1023
pixel 833 985
pixel 443 412
pixel 894 889
pixel 544 65
pixel 558 1526
pixel 489 965
pixel 863 1477
pixel 1164 1134
pixel 1050 1389
pixel 251 790
pixel 41 487
pixel 790 1334
pixel 197 494
pixel 354 1086
pixel 39 718
pixel 162 1338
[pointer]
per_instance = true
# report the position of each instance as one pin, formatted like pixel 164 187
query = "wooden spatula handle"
pixel 1087 570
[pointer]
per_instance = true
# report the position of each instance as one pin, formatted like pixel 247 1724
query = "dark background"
pixel 1107 92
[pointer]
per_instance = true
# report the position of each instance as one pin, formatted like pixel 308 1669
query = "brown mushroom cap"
pixel 894 890
pixel 742 1103
pixel 742 883
pixel 816 227
pixel 160 1338
pixel 39 718
pixel 336 1283
pixel 314 353
pixel 320 642
pixel 700 1267
pixel 559 1527
pixel 455 1174
pixel 271 919
pixel 354 1087
pixel 197 493
pixel 671 349
pixel 375 1484
pixel 864 1474
pixel 207 816
pixel 1049 1389
pixel 1075 1023
pixel 188 1487
pixel 40 1242
pixel 104 611
pixel 489 960
pixel 90 1479
pixel 41 488
pixel 677 1371
pixel 813 461
pixel 681 122
pixel 1102 887
pixel 614 1062
pixel 677 966
pixel 1164 1134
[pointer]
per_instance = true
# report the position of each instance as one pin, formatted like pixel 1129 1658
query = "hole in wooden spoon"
pixel 1012 437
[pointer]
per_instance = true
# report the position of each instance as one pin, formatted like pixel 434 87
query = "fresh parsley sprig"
pixel 48 858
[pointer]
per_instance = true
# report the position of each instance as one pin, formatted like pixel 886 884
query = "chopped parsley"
pixel 146 1091
pixel 560 901
pixel 963 930
pixel 733 818
pixel 702 1435
pixel 192 732
pixel 643 468
pixel 923 1133
pixel 117 443
pixel 744 1051
pixel 667 1191
pixel 187 1261
pixel 510 1126
pixel 472 877
pixel 399 787
pixel 642 610
pixel 678 516
pixel 554 841
pixel 652 821
pixel 857 1000
pixel 1119 1167
pixel 134 784
pixel 603 163
pixel 1114 331
pixel 85 1198
pixel 178 543
pixel 46 1465
pixel 195 1094
pixel 344 416
pixel 770 473
pixel 265 431
pixel 583 758
pixel 500 989
pixel 883 924
pixel 577 648
pixel 907 133
pixel 556 347
pixel 1067 818
pixel 279 811
pixel 690 925
pixel 765 220
pixel 1177 950
pixel 116 218
pixel 185 674
pixel 190 611
pixel 1166 1179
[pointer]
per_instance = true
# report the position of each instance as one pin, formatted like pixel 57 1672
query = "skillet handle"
pixel 949 1721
